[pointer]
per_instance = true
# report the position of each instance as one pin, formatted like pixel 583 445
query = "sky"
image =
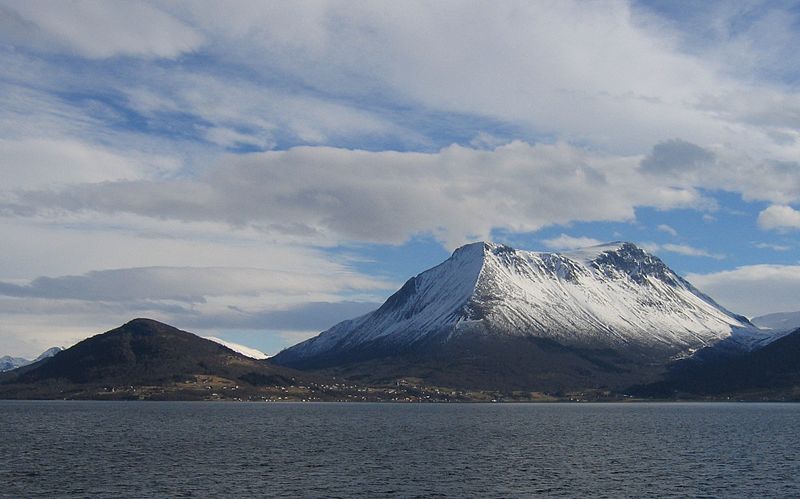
pixel 258 171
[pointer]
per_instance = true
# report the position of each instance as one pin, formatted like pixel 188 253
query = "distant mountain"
pixel 769 373
pixel 493 315
pixel 143 353
pixel 785 321
pixel 50 352
pixel 8 363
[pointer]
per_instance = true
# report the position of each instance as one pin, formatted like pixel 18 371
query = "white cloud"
pixel 681 249
pixel 637 88
pixel 669 230
pixel 97 29
pixel 685 249
pixel 600 73
pixel 42 163
pixel 774 247
pixel 753 290
pixel 565 242
pixel 249 112
pixel 779 217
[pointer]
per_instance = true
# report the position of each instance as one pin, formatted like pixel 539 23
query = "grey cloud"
pixel 109 285
pixel 181 284
pixel 313 316
pixel 309 316
pixel 676 156
pixel 329 194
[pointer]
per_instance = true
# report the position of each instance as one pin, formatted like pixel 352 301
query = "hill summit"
pixel 144 359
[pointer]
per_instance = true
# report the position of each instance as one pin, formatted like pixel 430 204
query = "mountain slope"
pixel 771 372
pixel 614 296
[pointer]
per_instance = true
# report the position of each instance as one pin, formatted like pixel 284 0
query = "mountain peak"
pixel 614 295
pixel 479 248
pixel 473 250
pixel 614 259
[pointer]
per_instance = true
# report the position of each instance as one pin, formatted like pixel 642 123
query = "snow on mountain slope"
pixel 244 350
pixel 48 353
pixel 615 295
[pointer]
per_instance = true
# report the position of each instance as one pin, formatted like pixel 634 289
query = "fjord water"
pixel 128 449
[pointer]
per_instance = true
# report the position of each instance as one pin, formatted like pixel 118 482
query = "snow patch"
pixel 244 350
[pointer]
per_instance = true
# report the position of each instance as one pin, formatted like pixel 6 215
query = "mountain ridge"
pixel 614 295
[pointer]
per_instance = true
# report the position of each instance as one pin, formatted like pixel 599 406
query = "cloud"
pixel 634 81
pixel 184 284
pixel 276 88
pixel 97 30
pixel 675 156
pixel 686 250
pixel 669 230
pixel 231 110
pixel 681 249
pixel 779 217
pixel 565 242
pixel 774 247
pixel 40 163
pixel 336 195
pixel 311 316
pixel 724 167
pixel 753 290
pixel 621 81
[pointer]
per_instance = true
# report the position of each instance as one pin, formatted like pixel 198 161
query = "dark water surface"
pixel 195 449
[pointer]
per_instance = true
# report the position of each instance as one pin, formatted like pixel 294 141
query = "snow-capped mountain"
pixel 8 363
pixel 779 322
pixel 613 296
